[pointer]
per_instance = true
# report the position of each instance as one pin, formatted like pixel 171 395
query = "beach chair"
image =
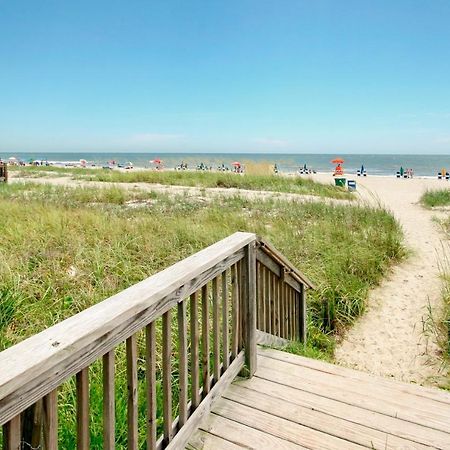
pixel 351 185
pixel 358 173
pixel 398 175
pixel 365 173
pixel 439 176
pixel 447 176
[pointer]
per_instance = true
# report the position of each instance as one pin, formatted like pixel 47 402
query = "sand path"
pixel 391 339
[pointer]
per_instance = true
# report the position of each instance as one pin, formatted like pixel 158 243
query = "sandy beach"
pixel 392 338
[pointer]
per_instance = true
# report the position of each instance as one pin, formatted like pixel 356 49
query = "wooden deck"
pixel 294 402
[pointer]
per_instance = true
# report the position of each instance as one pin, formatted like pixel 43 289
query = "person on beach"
pixel 401 171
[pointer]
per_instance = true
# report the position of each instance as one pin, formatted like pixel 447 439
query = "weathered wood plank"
pixel 249 299
pixel 353 414
pixel 264 338
pixel 207 441
pixel 12 434
pixel 166 378
pixel 234 312
pixel 132 387
pixel 436 394
pixel 302 315
pixel 50 409
pixel 276 426
pixel 245 437
pixel 357 394
pixel 206 381
pixel 267 291
pixel 225 319
pixel 41 363
pixel 195 378
pixel 183 362
pixel 150 373
pixel 182 437
pixel 83 436
pixel 315 420
pixel 109 418
pixel 216 329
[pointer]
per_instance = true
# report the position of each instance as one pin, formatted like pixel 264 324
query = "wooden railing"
pixel 204 314
pixel 3 172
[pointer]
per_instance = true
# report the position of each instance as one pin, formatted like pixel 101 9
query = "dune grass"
pixel 440 197
pixel 273 183
pixel 65 249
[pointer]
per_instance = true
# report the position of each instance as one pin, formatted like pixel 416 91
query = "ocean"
pixel 423 165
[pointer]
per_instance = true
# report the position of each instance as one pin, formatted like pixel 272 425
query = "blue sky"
pixel 240 76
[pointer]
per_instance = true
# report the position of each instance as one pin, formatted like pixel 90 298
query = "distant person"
pixel 275 168
pixel 402 171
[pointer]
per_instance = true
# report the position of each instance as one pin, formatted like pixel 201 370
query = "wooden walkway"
pixel 294 402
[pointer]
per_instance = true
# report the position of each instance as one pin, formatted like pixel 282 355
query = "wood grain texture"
pixel 50 409
pixel 206 381
pixel 216 329
pixel 225 320
pixel 150 373
pixel 132 387
pixel 183 362
pixel 12 434
pixel 83 434
pixel 195 342
pixel 234 312
pixel 109 417
pixel 39 364
pixel 167 378
pixel 182 437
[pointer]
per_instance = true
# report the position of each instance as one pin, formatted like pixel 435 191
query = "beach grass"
pixel 439 197
pixel 259 179
pixel 65 249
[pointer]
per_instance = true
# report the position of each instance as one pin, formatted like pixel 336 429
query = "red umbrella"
pixel 156 161
pixel 338 161
pixel 236 163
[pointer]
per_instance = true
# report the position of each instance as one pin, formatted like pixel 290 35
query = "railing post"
pixel 302 314
pixel 249 313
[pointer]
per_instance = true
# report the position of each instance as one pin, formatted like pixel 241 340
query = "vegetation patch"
pixel 65 249
pixel 273 183
pixel 432 198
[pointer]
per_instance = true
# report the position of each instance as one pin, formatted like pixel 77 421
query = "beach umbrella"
pixel 236 163
pixel 338 161
pixel 156 161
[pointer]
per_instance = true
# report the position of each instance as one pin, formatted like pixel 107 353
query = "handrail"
pixel 240 290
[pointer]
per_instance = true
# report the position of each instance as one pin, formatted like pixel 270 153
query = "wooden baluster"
pixel 183 363
pixel 166 378
pixel 289 312
pixel 293 317
pixel 194 352
pixel 249 298
pixel 277 306
pixel 267 300
pixel 216 329
pixel 234 312
pixel 50 409
pixel 12 434
pixel 273 329
pixel 83 438
pixel 282 308
pixel 31 420
pixel 109 419
pixel 132 382
pixel 261 299
pixel 241 288
pixel 225 343
pixel 303 317
pixel 150 369
pixel 205 340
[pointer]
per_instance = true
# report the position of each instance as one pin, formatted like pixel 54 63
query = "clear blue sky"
pixel 250 75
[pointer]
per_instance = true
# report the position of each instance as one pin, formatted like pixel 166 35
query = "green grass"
pixel 65 249
pixel 433 198
pixel 272 183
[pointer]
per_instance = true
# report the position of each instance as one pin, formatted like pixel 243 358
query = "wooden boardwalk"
pixel 294 402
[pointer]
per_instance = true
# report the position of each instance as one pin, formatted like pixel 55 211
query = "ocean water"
pixel 423 165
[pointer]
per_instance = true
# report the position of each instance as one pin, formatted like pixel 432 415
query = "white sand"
pixel 389 340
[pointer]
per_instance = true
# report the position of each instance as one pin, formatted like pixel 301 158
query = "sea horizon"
pixel 375 164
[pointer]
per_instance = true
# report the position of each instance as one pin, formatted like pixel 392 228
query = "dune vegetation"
pixel 438 197
pixel 288 184
pixel 65 249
